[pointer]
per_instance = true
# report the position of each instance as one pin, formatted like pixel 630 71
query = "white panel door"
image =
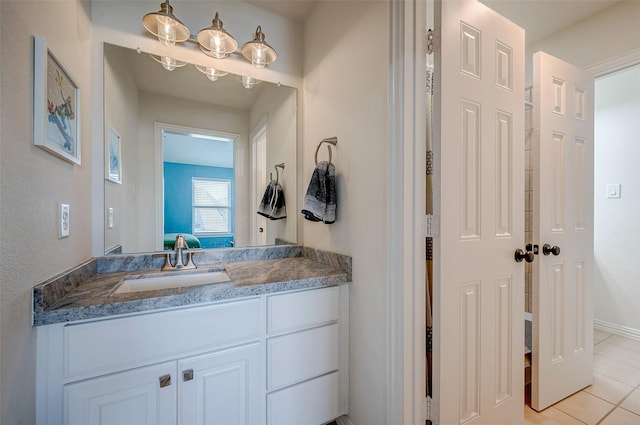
pixel 258 182
pixel 143 396
pixel 479 287
pixel 221 388
pixel 563 218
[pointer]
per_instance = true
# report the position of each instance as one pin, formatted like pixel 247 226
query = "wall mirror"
pixel 193 156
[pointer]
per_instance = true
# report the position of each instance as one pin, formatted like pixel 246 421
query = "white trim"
pixel 616 63
pixel 405 248
pixel 344 420
pixel 97 152
pixel 617 329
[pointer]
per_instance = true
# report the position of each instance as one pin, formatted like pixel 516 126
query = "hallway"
pixel 614 397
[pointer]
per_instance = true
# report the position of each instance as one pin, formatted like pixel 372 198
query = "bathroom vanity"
pixel 260 349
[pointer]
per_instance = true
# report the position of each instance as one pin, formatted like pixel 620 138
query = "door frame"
pixel 159 128
pixel 406 338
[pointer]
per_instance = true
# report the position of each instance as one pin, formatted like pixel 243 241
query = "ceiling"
pixel 542 18
pixel 539 18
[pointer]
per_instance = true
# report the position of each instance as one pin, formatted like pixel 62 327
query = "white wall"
pixel 121 114
pixel 279 106
pixel 168 110
pixel 617 288
pixel 33 182
pixel 609 34
pixel 346 67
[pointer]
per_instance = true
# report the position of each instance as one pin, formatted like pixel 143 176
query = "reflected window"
pixel 211 206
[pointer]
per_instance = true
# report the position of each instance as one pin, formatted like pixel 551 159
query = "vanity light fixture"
pixel 248 82
pixel 164 25
pixel 212 73
pixel 213 41
pixel 258 51
pixel 167 62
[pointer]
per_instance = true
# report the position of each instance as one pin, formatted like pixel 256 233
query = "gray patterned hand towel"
pixel 320 201
pixel 272 205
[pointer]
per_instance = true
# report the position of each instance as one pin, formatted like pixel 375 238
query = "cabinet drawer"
pixel 131 341
pixel 310 403
pixel 303 355
pixel 300 310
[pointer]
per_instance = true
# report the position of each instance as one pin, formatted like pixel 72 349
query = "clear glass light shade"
pixel 168 62
pixel 215 41
pixel 258 51
pixel 212 73
pixel 247 82
pixel 259 56
pixel 166 31
pixel 164 25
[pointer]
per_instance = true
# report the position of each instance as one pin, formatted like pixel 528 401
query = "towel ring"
pixel 330 141
pixel 281 165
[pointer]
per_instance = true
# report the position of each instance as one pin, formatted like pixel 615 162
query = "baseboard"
pixel 344 420
pixel 617 329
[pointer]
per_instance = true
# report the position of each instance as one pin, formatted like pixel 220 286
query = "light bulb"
pixel 217 46
pixel 166 31
pixel 258 55
pixel 213 74
pixel 168 63
pixel 248 82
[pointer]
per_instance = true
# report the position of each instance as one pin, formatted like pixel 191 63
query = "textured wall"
pixel 33 182
pixel 345 95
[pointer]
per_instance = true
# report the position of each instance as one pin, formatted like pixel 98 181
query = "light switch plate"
pixel 64 222
pixel 110 218
pixel 613 190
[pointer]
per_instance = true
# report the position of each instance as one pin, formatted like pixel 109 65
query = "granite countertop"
pixel 88 291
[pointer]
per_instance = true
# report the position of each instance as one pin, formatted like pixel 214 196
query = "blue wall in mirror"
pixel 178 200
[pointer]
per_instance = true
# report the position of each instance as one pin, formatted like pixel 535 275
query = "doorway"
pixel 195 186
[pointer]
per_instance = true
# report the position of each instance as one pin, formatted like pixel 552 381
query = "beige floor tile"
pixel 585 407
pixel 631 344
pixel 617 370
pixel 608 389
pixel 621 417
pixel 550 416
pixel 632 403
pixel 618 352
pixel 600 335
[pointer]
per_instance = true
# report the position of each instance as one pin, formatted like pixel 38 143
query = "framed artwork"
pixel 56 105
pixel 114 166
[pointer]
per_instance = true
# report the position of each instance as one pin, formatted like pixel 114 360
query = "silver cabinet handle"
pixel 165 381
pixel 187 375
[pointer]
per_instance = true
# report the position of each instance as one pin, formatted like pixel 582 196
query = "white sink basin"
pixel 152 282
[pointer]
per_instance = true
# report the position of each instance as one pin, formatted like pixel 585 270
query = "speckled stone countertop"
pixel 88 291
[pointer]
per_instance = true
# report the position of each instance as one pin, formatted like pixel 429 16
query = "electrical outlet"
pixel 63 230
pixel 110 218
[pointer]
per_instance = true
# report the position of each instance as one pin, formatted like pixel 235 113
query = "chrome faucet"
pixel 180 245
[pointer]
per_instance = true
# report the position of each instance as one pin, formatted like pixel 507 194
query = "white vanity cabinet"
pixel 271 359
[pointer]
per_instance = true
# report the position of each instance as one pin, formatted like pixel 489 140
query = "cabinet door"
pixel 221 388
pixel 144 396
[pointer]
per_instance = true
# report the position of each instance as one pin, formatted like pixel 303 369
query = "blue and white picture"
pixel 61 108
pixel 56 105
pixel 113 157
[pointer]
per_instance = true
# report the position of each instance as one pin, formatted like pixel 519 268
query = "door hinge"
pixel 431 226
pixel 428 410
pixel 430 41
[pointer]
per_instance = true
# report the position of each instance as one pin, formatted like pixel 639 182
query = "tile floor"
pixel 614 397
